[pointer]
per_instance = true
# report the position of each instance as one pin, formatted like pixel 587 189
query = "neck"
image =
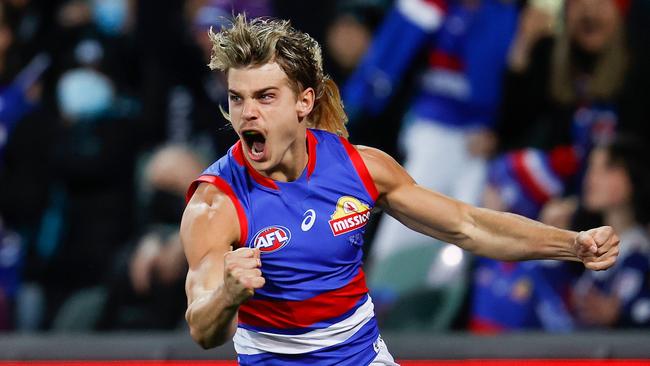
pixel 584 61
pixel 620 218
pixel 293 162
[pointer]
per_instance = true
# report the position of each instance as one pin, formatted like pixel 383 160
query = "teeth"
pixel 255 151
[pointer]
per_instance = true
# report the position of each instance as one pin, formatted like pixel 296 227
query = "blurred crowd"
pixel 108 111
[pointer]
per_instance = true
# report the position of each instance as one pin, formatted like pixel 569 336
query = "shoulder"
pixel 209 220
pixel 385 171
pixel 209 204
pixel 376 160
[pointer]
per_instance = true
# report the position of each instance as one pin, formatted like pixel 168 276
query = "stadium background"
pixel 107 110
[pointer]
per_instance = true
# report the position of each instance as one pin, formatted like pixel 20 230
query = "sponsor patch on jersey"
pixel 271 238
pixel 350 214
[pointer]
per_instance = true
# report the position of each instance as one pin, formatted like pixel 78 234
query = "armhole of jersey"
pixel 224 187
pixel 360 167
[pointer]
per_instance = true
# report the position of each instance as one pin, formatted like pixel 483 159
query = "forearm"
pixel 211 318
pixel 507 236
pixel 484 232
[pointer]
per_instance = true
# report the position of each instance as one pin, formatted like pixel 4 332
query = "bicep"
pixel 209 229
pixel 428 212
pixel 417 207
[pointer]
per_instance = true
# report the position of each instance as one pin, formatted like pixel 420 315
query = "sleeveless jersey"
pixel 314 307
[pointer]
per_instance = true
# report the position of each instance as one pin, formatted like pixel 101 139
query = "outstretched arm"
pixel 219 279
pixel 484 232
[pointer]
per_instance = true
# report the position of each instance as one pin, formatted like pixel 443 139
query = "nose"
pixel 249 110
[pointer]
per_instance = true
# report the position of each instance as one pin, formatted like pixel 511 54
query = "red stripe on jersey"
pixel 440 4
pixel 311 150
pixel 300 314
pixel 227 190
pixel 526 178
pixel 361 169
pixel 445 61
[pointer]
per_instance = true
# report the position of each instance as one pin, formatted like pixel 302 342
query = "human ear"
pixel 305 102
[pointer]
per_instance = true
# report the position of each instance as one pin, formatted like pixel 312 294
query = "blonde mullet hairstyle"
pixel 262 40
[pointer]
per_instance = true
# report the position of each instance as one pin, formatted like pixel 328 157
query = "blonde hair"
pixel 262 40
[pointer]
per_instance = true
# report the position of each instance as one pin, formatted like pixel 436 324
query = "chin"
pixel 593 205
pixel 593 44
pixel 262 165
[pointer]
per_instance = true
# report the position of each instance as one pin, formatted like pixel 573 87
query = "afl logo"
pixel 271 238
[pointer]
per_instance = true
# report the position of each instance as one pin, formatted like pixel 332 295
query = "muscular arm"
pixel 484 232
pixel 218 279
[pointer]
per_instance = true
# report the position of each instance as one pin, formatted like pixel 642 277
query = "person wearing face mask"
pixel 617 185
pixel 88 213
pixel 146 291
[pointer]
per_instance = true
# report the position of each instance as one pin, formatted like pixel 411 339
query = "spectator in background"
pixel 576 86
pixel 108 24
pixel 617 185
pixel 529 295
pixel 89 149
pixel 90 213
pixel 347 39
pixel 146 292
pixel 349 35
pixel 20 98
pixel 22 197
pixel 24 25
pixel 568 89
pixel 451 115
pixel 90 129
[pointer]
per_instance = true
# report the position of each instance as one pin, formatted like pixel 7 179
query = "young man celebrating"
pixel 292 196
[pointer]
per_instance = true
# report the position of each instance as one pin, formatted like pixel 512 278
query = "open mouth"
pixel 255 143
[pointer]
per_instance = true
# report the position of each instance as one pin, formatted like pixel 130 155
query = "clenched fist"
pixel 597 248
pixel 242 274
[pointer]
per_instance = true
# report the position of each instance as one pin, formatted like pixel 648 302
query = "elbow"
pixel 204 340
pixel 205 336
pixel 207 339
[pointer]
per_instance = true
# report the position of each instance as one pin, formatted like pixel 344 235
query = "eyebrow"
pixel 256 92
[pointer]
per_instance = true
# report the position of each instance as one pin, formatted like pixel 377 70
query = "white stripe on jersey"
pixel 426 16
pixel 545 179
pixel 249 342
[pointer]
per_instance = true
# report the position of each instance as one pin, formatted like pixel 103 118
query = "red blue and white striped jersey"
pixel 314 307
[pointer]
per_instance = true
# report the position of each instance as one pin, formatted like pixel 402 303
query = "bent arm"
pixel 209 229
pixel 488 233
